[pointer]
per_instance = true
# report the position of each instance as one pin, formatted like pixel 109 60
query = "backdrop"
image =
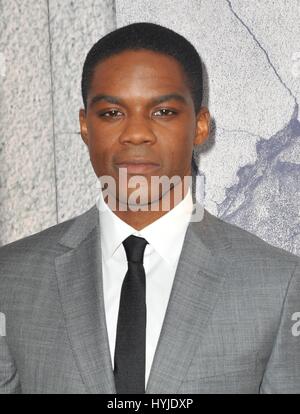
pixel 251 55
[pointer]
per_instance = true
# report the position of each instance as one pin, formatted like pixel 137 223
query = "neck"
pixel 140 219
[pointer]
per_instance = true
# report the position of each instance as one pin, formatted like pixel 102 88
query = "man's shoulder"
pixel 45 242
pixel 244 245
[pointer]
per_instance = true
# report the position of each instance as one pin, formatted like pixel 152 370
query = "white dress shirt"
pixel 165 237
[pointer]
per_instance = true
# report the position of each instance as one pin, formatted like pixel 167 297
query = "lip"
pixel 138 166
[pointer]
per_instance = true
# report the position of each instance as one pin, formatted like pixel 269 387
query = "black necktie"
pixel 130 358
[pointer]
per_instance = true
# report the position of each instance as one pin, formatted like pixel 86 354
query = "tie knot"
pixel 134 248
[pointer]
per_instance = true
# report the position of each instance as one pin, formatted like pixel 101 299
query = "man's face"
pixel 140 108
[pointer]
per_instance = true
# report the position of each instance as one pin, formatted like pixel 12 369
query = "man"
pixel 132 300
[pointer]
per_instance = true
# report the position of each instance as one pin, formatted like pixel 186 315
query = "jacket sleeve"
pixel 282 374
pixel 9 378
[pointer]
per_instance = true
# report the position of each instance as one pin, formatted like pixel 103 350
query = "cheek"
pixel 178 152
pixel 99 145
pixel 101 141
pixel 100 156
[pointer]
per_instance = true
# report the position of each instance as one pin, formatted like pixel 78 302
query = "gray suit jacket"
pixel 227 329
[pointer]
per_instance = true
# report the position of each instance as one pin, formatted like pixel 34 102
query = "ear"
pixel 83 126
pixel 203 126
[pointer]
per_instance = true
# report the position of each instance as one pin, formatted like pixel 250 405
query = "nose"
pixel 137 130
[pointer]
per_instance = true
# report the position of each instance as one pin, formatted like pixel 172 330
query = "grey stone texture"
pixel 44 163
pixel 27 172
pixel 74 27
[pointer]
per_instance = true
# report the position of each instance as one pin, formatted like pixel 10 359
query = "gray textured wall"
pixel 251 55
pixel 45 172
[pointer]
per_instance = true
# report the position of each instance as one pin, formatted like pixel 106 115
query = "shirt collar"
pixel 162 234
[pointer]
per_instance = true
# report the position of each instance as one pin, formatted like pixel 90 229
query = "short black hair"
pixel 149 36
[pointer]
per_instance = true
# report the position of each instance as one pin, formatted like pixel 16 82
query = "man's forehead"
pixel 140 76
pixel 131 81
pixel 146 65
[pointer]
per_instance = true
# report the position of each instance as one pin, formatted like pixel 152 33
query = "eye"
pixel 165 112
pixel 114 113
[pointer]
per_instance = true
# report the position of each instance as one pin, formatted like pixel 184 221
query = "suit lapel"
pixel 79 274
pixel 198 281
pixel 197 284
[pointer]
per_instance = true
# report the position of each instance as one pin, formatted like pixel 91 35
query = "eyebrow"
pixel 156 100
